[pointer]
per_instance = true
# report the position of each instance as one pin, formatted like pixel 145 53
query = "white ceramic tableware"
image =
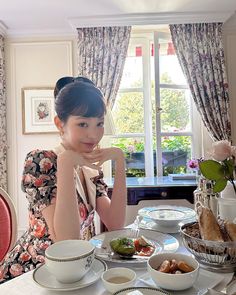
pixel 69 260
pixel 173 281
pixel 167 216
pixel 43 278
pixel 142 290
pixel 227 208
pixel 117 278
pixel 162 242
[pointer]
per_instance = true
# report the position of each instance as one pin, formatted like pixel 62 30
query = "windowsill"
pixel 164 181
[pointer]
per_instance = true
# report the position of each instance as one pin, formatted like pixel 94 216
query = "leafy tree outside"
pixel 129 117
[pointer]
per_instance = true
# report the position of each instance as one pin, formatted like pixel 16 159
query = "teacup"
pixel 69 260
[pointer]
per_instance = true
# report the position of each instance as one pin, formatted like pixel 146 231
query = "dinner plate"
pixel 43 278
pixel 162 242
pixel 144 290
pixel 167 215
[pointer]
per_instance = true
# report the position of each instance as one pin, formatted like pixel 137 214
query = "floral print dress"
pixel 39 182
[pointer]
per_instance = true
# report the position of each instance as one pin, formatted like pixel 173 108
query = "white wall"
pixel 30 63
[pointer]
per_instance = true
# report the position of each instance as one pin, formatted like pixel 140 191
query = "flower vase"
pixel 213 204
pixel 228 192
pixel 204 196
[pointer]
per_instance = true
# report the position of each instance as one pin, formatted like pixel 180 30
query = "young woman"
pixel 65 186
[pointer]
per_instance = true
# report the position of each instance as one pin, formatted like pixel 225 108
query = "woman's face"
pixel 82 134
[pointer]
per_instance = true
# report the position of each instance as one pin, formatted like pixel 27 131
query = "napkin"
pixel 206 279
pixel 231 289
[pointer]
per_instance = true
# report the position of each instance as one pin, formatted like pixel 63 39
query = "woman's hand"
pixel 99 156
pixel 75 159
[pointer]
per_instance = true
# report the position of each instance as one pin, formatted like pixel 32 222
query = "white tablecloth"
pixel 24 284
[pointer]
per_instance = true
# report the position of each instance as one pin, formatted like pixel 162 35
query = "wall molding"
pixel 149 19
pixel 18 77
pixel 40 33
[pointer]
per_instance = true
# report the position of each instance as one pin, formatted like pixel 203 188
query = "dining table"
pixel 25 285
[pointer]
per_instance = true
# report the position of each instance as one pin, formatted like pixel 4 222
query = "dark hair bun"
pixel 78 97
pixel 62 82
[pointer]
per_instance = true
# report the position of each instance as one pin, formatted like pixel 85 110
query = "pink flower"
pixel 221 150
pixel 44 245
pixel 16 270
pixel 233 151
pixel 193 164
pixel 39 228
pixel 38 182
pixel 27 178
pixel 82 212
pixel 25 256
pixel 45 164
pixel 131 149
pixel 32 251
pixel 29 162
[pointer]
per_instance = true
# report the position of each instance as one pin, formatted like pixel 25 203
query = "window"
pixel 153 111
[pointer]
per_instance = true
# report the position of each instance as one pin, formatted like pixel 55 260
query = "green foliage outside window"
pixel 129 118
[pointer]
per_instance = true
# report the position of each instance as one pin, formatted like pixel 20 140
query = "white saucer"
pixel 144 290
pixel 43 278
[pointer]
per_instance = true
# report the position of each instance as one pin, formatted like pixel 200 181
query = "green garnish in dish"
pixel 123 246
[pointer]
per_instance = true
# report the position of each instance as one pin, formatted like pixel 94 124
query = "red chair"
pixel 8 224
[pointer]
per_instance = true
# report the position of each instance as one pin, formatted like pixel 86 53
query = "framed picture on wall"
pixel 38 110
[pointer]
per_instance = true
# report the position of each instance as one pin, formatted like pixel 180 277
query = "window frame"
pixel 145 39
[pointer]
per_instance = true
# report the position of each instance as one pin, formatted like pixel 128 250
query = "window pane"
pixel 168 66
pixel 134 155
pixel 128 112
pixel 133 70
pixel 175 114
pixel 175 152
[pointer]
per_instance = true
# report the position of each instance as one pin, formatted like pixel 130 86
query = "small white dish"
pixel 171 281
pixel 144 290
pixel 43 278
pixel 117 278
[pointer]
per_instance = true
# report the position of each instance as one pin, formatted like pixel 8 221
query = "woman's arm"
pixel 62 217
pixel 112 212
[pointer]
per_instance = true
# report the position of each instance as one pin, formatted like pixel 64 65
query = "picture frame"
pixel 38 110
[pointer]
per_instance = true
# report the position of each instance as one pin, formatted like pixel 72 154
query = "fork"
pixel 134 230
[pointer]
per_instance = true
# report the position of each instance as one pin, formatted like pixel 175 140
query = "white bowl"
pixel 69 260
pixel 117 278
pixel 172 281
pixel 167 217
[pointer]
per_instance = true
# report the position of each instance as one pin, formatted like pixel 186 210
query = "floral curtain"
pixel 3 135
pixel 101 57
pixel 199 48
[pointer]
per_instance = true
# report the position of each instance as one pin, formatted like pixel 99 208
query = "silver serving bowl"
pixel 218 256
